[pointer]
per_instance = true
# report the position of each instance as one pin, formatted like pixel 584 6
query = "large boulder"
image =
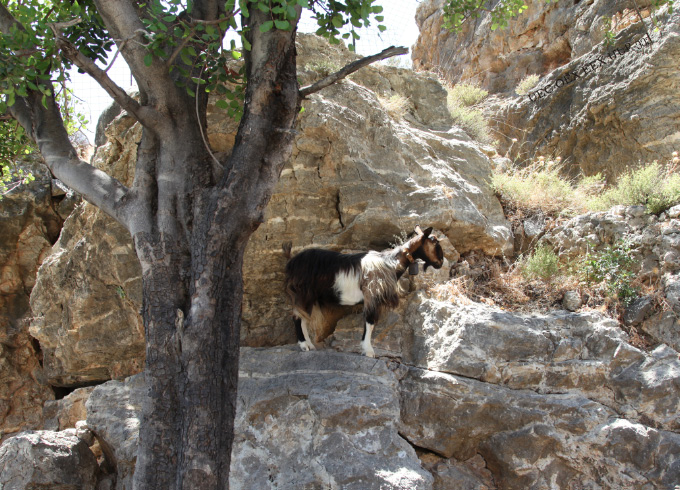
pixel 358 179
pixel 113 411
pixel 47 460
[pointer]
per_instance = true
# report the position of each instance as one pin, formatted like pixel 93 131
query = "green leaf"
pixel 282 25
pixel 170 18
pixel 222 104
pixel 337 21
pixel 148 59
pixel 243 4
pixel 267 26
pixel 382 28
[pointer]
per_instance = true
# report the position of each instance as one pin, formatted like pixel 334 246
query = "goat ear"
pixel 427 232
pixel 418 230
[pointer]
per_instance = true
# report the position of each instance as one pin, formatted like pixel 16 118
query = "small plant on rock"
pixel 542 263
pixel 655 186
pixel 526 84
pixel 611 271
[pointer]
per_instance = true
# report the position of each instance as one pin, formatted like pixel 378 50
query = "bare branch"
pixel 351 68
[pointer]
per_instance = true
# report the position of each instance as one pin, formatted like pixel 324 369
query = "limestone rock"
pixel 67 412
pixel 341 421
pixel 654 244
pixel 113 411
pixel 617 93
pixel 572 300
pixel 320 419
pixel 29 225
pixel 85 303
pixel 624 94
pixel 88 295
pixel 47 460
pixel 544 37
pixel 529 440
pixel 560 352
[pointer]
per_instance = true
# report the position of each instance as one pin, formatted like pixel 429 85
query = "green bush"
pixel 655 186
pixel 611 270
pixel 543 263
pixel 466 94
pixel 459 101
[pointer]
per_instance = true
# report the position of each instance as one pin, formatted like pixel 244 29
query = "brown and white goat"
pixel 318 280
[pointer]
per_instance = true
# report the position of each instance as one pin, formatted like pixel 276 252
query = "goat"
pixel 318 280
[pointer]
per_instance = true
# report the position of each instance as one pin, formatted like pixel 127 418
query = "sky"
pixel 401 31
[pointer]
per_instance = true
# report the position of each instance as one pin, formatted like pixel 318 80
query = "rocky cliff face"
pixel 30 219
pixel 602 108
pixel 358 177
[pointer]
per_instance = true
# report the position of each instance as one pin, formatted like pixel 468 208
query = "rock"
pixel 600 104
pixel 300 424
pixel 67 412
pixel 542 38
pixel 623 89
pixel 346 421
pixel 48 461
pixel 572 300
pixel 638 309
pixel 113 411
pixel 528 440
pixel 655 249
pixel 29 226
pixel 560 352
pixel 86 303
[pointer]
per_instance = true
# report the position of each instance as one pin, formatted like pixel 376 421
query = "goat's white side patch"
pixel 366 343
pixel 347 288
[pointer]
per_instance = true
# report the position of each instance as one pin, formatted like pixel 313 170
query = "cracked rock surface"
pixel 581 407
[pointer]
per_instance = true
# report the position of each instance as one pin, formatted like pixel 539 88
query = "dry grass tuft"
pixel 397 106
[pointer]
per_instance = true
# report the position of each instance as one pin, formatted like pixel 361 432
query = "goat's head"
pixel 425 247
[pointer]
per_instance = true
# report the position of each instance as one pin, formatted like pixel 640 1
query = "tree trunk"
pixel 191 249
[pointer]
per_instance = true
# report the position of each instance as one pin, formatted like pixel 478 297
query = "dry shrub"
pixel 541 187
pixel 396 106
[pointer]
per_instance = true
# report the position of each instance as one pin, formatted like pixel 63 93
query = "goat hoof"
pixel 303 346
pixel 369 353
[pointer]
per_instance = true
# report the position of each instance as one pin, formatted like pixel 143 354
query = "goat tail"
pixel 287 248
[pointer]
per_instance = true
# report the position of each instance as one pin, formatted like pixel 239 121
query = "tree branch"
pixel 43 123
pixel 144 114
pixel 351 68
